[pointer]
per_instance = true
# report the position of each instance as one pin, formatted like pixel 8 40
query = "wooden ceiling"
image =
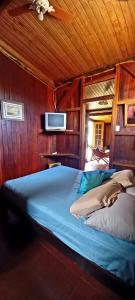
pixel 101 34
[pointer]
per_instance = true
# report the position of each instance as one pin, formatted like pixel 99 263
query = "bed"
pixel 46 197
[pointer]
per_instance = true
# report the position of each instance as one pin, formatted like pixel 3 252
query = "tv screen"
pixel 55 121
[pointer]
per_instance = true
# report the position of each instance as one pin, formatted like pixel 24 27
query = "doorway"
pixel 98 139
pixel 97 105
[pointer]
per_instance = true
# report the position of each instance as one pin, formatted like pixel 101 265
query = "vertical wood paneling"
pixel 114 111
pixel 107 134
pixel 21 143
pixel 127 85
pixel 124 147
pixel 66 143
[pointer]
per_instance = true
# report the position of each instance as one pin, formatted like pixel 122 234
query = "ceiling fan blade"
pixel 20 10
pixel 4 4
pixel 62 15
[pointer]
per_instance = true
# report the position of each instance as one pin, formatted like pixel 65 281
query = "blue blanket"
pixel 48 196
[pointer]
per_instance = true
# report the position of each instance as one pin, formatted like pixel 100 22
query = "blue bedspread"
pixel 48 195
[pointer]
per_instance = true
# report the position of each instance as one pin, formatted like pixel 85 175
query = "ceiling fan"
pixel 41 7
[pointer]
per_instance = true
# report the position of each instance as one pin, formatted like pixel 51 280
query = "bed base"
pixel 99 274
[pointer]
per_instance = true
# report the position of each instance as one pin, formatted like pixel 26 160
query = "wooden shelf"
pixel 74 132
pixel 127 164
pixel 53 156
pixel 125 134
pixel 70 132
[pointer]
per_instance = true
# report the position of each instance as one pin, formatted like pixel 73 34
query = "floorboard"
pixel 36 269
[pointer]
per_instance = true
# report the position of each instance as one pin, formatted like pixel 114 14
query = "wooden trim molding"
pixel 100 113
pixel 126 101
pixel 82 127
pixel 126 164
pixel 96 99
pixel 104 76
pixel 82 136
pixel 114 111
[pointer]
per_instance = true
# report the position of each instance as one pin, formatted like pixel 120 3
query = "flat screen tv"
pixel 55 121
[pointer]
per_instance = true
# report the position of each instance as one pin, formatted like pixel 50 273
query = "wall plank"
pixel 107 134
pixel 21 143
pixel 69 143
pixel 124 148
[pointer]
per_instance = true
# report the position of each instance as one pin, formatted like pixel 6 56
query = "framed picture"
pixel 12 110
pixel 130 114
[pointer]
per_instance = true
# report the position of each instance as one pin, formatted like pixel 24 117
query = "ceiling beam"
pixel 107 75
pixel 101 71
pixel 99 110
pixel 100 113
pixel 13 55
pixel 101 98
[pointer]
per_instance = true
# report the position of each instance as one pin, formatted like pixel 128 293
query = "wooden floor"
pixel 36 269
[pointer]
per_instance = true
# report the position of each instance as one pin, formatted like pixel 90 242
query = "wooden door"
pixel 98 135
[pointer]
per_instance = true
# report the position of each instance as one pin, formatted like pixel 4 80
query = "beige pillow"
pixel 96 198
pixel 125 178
pixel 117 220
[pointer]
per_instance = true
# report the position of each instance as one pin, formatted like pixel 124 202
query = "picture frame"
pixel 129 115
pixel 12 111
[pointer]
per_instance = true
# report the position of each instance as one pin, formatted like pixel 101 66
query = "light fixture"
pixel 103 102
pixel 42 7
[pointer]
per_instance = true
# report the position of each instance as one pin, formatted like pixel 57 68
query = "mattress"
pixel 47 197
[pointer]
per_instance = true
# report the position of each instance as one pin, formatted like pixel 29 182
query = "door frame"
pixel 83 130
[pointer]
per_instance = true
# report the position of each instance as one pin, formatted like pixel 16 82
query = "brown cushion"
pixel 125 178
pixel 96 198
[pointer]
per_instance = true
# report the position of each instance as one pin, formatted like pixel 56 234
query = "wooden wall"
pixel 107 134
pixel 123 150
pixel 21 143
pixel 123 142
pixel 68 100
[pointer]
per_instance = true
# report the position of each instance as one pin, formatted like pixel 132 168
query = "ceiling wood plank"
pixel 24 64
pixel 124 37
pixel 109 26
pixel 100 36
pixel 24 45
pixel 129 24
